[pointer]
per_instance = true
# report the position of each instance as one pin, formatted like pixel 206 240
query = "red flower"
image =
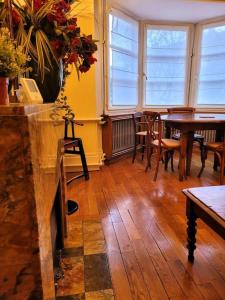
pixel 15 17
pixel 56 44
pixel 62 5
pixel 91 60
pixel 71 27
pixel 58 16
pixel 75 42
pixel 73 21
pixel 84 68
pixel 72 58
pixel 37 4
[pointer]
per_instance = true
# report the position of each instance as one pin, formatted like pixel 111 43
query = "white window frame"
pixel 192 63
pixel 189 29
pixel 109 107
pixel 196 66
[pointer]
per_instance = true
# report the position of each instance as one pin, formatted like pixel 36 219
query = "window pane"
pixel 165 66
pixel 123 61
pixel 211 81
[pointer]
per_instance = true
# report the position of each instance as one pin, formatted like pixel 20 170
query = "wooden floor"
pixel 145 229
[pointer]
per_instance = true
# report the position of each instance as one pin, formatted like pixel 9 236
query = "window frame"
pixel 197 63
pixel 116 108
pixel 193 61
pixel 169 25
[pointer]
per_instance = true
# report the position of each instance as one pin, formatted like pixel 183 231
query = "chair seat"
pixel 69 143
pixel 168 143
pixel 214 146
pixel 144 133
pixel 141 133
pixel 197 136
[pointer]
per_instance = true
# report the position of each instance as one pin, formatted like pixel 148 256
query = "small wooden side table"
pixel 208 204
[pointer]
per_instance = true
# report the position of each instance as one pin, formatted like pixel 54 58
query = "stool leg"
pixel 83 159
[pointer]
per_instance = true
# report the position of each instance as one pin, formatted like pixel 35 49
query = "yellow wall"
pixel 82 98
pixel 82 93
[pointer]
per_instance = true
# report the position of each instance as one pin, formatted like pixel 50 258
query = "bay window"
pixel 123 61
pixel 210 87
pixel 159 69
pixel 165 65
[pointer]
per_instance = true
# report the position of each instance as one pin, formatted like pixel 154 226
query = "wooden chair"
pixel 197 137
pixel 74 145
pixel 158 145
pixel 140 130
pixel 219 150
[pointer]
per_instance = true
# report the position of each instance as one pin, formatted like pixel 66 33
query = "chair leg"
pixel 222 162
pixel 216 163
pixel 203 159
pixel 172 153
pixel 149 156
pixel 135 149
pixel 167 158
pixel 143 148
pixel 158 158
pixel 83 160
pixel 201 146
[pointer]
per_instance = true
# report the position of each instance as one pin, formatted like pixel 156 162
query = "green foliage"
pixel 12 59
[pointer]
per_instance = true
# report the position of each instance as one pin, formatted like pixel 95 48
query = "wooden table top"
pixel 212 197
pixel 194 118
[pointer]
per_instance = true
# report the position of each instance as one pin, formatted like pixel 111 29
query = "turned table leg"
pixel 191 229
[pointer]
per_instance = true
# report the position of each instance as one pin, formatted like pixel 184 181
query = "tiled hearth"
pixel 85 264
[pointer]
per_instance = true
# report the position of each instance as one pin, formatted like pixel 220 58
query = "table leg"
pixel 183 152
pixel 190 140
pixel 218 138
pixel 191 229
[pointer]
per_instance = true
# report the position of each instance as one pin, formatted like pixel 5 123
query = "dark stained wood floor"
pixel 145 229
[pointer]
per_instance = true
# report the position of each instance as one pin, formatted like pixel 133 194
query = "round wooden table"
pixel 188 124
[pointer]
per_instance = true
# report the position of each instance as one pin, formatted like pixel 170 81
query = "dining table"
pixel 187 124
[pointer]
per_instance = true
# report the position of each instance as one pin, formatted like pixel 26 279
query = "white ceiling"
pixel 172 10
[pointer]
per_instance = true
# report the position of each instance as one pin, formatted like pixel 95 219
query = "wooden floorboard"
pixel 144 225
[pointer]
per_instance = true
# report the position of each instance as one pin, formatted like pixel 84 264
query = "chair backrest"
pixel 141 119
pixel 150 115
pixel 181 110
pixel 155 126
pixel 137 118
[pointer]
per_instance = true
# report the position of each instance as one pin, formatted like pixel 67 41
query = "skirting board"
pixel 73 162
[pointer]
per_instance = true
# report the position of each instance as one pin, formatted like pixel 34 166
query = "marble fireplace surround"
pixel 27 192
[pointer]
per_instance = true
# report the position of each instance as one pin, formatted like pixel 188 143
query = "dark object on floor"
pixel 74 145
pixel 72 207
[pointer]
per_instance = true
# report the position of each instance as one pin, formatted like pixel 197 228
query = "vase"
pixel 4 96
pixel 51 85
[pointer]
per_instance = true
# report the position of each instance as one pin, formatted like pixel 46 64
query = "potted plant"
pixel 12 62
pixel 48 32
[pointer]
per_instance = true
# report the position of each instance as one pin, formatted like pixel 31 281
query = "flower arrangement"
pixel 48 31
pixel 12 58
